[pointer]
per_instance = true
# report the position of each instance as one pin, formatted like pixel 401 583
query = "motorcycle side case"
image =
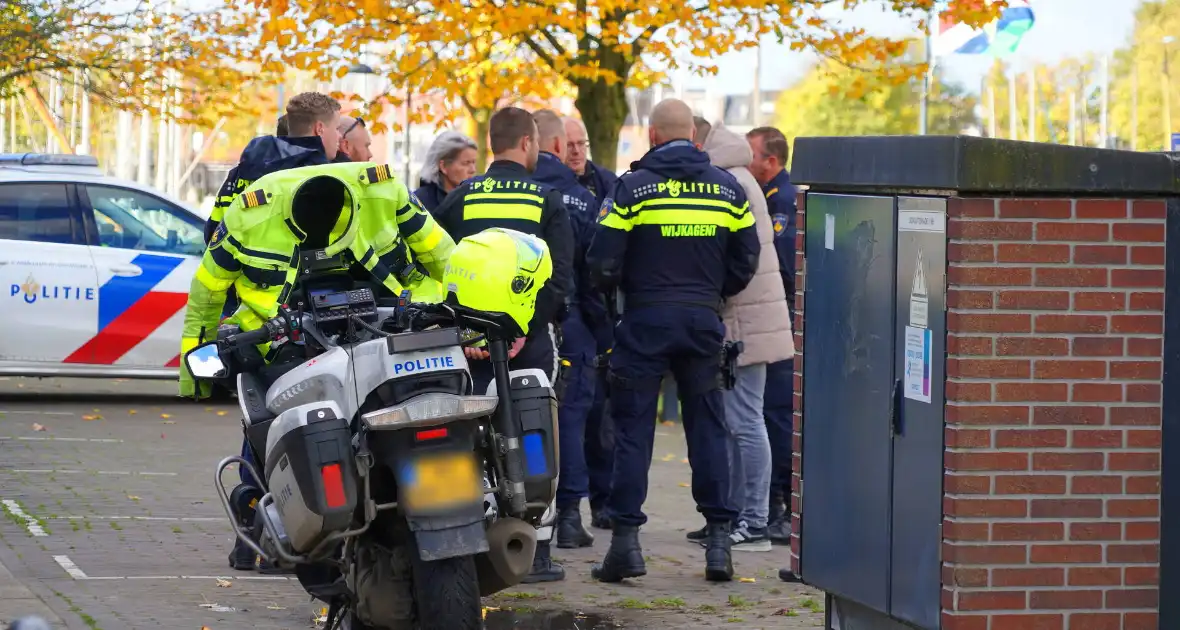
pixel 311 472
pixel 535 406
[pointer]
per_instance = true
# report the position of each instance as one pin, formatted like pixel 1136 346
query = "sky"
pixel 1064 28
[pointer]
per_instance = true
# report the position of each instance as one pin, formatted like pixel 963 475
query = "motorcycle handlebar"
pixel 267 332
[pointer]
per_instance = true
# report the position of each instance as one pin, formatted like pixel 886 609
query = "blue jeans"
pixel 749 446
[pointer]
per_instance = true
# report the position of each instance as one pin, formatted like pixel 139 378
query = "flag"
pixel 999 38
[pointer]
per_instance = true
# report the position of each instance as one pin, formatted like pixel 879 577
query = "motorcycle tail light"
pixel 431 434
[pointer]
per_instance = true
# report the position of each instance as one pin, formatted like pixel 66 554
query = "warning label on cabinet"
pixel 917 363
pixel 919 299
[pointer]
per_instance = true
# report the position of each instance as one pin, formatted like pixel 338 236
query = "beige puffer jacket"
pixel 758 316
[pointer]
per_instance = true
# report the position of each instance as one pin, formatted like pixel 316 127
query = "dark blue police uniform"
pixel 601 182
pixel 430 195
pixel 778 402
pixel 677 238
pixel 578 352
pixel 600 445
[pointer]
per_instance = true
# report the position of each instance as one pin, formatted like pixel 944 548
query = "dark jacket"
pixel 677 231
pixel 263 156
pixel 535 209
pixel 598 181
pixel 587 307
pixel 430 195
pixel 780 202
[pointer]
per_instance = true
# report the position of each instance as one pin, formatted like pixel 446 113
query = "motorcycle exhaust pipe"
pixel 512 543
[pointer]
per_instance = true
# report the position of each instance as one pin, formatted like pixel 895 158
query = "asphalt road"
pixel 111 522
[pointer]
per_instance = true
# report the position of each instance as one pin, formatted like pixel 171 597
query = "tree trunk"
pixel 483 123
pixel 604 110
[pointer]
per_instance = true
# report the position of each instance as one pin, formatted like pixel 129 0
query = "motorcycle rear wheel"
pixel 446 593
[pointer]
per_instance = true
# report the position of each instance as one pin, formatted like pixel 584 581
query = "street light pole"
pixel 1166 87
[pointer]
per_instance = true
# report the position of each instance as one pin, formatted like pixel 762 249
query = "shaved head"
pixel 671 120
pixel 550 127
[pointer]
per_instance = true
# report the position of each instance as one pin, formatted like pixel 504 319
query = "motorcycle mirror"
pixel 204 361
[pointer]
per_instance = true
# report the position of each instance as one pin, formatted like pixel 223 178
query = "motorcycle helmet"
pixel 499 271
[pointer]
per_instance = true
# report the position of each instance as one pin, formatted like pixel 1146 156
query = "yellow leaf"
pixel 132 412
pixel 89 417
pixel 221 413
pixel 132 497
pixel 747 580
pixel 684 485
pixel 669 457
pixel 165 415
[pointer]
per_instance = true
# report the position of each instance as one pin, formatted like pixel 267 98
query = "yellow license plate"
pixel 438 482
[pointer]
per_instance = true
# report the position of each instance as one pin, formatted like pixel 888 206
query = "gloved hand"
pixel 473 353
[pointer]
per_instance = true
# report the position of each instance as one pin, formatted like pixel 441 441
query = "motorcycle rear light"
pixel 429 410
pixel 431 434
pixel 333 486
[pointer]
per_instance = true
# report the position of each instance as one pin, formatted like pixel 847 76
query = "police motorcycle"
pixel 397 494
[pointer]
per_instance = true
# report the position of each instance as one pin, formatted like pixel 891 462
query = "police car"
pixel 94 271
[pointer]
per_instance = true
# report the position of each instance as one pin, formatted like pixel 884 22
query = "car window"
pixel 35 212
pixel 129 219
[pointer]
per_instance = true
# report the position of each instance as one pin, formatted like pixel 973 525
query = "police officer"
pixel 579 348
pixel 769 168
pixel 507 197
pixel 253 250
pixel 599 444
pixel 307 135
pixel 676 239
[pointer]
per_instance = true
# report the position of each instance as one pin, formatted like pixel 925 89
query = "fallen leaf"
pixel 37 427
pixel 223 583
pixel 132 412
pixel 668 423
pixel 88 418
pixel 684 461
pixel 165 415
pixel 208 409
pixel 684 485
pixel 747 580
pixel 221 413
pixel 132 497
pixel 669 457
pixel 781 612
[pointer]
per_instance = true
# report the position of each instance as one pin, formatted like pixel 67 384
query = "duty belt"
pixel 635 301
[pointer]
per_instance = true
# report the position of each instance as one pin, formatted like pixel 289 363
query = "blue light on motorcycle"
pixel 535 462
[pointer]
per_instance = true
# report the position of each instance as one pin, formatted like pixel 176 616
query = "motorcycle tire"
pixel 446 593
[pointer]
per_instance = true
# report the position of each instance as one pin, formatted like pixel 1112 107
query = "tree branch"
pixel 540 52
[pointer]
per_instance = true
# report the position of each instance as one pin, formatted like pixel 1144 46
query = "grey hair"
pixel 447 146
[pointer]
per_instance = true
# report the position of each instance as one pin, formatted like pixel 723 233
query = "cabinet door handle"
pixel 895 408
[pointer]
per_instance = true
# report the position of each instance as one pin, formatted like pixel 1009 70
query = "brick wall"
pixel 797 439
pixel 1055 320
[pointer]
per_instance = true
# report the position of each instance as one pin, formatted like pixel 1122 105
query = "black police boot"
pixel 570 533
pixel 242 501
pixel 544 568
pixel 599 519
pixel 624 559
pixel 718 557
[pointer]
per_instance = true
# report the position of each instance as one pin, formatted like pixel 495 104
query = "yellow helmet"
pixel 499 271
